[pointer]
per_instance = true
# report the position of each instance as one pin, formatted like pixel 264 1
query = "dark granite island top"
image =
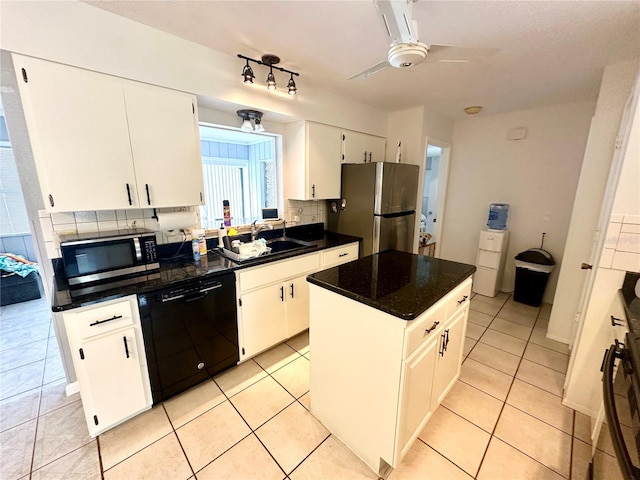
pixel 399 283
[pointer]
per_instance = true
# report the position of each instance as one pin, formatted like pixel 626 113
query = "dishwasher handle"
pixel 203 292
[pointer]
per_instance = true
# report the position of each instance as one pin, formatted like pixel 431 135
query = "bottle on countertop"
pixel 195 248
pixel 222 232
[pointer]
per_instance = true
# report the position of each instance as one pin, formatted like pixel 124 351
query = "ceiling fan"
pixel 406 50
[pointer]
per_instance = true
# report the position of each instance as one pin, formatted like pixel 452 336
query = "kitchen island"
pixel 386 335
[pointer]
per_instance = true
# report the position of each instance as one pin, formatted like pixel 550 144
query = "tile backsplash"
pixel 622 243
pixel 66 223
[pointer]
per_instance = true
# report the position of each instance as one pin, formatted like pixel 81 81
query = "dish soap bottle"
pixel 222 232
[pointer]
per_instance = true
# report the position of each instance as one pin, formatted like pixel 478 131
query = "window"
pixel 13 213
pixel 239 167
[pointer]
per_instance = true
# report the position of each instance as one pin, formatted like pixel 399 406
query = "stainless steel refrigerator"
pixel 378 204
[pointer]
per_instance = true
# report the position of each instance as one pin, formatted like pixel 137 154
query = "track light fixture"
pixel 268 61
pixel 248 116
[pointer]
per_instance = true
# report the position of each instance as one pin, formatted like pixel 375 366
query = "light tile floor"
pixel 502 420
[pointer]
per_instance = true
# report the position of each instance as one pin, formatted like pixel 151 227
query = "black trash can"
pixel 533 267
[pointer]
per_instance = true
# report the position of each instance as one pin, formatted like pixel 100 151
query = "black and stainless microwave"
pixel 94 257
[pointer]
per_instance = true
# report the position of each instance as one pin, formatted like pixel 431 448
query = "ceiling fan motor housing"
pixel 407 54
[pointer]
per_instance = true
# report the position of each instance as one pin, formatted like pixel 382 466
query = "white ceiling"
pixel 549 51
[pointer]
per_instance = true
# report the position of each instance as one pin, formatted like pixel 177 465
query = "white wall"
pixel 537 176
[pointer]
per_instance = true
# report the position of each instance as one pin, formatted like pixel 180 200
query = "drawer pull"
pixel 126 347
pixel 98 322
pixel 616 322
pixel 343 255
pixel 433 327
pixel 464 299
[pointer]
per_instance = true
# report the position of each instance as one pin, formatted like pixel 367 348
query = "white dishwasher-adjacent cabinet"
pixel 109 360
pixel 490 261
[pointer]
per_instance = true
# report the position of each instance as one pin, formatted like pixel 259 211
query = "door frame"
pixel 443 181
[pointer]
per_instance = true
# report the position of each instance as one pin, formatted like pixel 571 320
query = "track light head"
pixel 247 73
pixel 271 81
pixel 291 86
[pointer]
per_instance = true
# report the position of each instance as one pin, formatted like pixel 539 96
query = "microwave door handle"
pixel 136 247
pixel 628 469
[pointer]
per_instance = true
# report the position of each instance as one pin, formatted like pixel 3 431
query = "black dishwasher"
pixel 190 333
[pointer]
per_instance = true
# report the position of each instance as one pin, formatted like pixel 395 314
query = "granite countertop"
pixel 181 267
pixel 631 302
pixel 399 283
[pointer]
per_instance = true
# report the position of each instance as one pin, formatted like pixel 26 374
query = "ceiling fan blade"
pixel 450 54
pixel 372 70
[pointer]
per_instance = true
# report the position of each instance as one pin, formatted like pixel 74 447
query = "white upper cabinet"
pixel 99 140
pixel 165 142
pixel 77 126
pixel 313 161
pixel 362 148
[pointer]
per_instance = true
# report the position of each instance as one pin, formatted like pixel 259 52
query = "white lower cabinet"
pixel 273 299
pixel 449 356
pixel 109 361
pixel 417 373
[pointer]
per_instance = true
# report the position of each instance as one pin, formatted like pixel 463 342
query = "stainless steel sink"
pixel 279 245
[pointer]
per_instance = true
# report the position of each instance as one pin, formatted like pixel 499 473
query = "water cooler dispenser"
pixel 492 250
pixel 490 260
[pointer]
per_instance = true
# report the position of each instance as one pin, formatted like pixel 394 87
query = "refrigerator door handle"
pixel 393 215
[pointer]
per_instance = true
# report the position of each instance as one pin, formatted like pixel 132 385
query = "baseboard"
pixel 72 388
pixel 557 339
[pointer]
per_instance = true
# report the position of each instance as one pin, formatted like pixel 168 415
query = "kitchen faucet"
pixel 256 229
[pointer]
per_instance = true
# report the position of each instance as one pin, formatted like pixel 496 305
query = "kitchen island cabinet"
pixel 102 142
pixel 386 332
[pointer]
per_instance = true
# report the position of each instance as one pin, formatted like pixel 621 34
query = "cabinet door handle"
pixel 441 351
pixel 146 186
pixel 313 191
pixel 292 290
pixel 282 293
pixel 369 157
pixel 51 200
pixel 126 347
pixel 446 339
pixel 432 328
pixel 98 322
pixel 365 157
pixel 464 299
pixel 129 193
pixel 616 322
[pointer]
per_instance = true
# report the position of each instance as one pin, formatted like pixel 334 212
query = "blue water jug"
pixel 498 214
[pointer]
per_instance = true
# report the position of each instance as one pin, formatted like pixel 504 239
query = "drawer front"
pixel 491 241
pixel 92 321
pixel 425 327
pixel 459 298
pixel 339 255
pixel 487 258
pixel 276 271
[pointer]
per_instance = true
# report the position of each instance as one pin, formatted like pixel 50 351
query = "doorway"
pixel 436 168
